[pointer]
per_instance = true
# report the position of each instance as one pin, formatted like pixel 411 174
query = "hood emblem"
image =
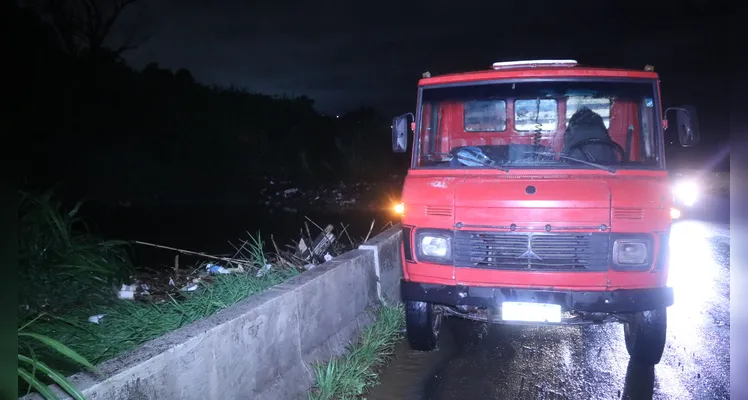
pixel 529 254
pixel 530 189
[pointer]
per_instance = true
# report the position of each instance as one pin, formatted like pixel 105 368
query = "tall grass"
pixel 357 371
pixel 30 367
pixel 126 324
pixel 61 263
pixel 67 274
pixel 61 266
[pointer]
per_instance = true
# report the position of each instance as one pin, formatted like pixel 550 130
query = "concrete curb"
pixel 262 347
pixel 387 263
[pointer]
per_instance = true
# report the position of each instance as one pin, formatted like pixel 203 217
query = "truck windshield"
pixel 540 124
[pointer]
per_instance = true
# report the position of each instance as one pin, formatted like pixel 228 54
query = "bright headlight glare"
pixel 629 252
pixel 399 208
pixel 686 192
pixel 434 246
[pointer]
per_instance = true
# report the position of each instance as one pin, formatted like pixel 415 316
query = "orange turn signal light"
pixel 399 208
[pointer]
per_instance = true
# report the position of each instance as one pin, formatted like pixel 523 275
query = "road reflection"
pixel 692 265
pixel 590 362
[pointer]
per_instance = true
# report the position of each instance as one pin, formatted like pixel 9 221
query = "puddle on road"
pixel 514 362
pixel 591 362
pixel 409 371
pixel 484 357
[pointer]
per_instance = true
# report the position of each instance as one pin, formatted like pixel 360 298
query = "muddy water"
pixel 410 371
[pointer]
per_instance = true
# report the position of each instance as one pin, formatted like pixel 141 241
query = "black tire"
pixel 645 336
pixel 423 325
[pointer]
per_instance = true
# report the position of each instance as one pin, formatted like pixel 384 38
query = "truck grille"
pixel 534 251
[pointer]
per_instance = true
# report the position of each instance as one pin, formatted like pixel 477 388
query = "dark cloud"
pixel 344 53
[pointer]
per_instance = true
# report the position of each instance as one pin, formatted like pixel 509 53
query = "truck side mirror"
pixel 687 125
pixel 400 134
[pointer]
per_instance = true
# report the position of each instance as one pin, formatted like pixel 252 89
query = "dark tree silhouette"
pixel 82 25
pixel 107 131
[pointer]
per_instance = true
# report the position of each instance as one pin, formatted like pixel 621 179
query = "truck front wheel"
pixel 423 324
pixel 645 336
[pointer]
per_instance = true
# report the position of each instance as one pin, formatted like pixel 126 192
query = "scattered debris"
pixel 96 318
pixel 264 270
pixel 315 245
pixel 216 269
pixel 334 197
pixel 239 268
pixel 127 292
pixel 318 247
pixel 371 228
pixel 193 253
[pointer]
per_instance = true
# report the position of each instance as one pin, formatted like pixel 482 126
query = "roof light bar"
pixel 534 63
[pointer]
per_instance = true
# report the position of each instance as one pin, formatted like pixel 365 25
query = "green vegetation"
pixel 30 361
pixel 68 275
pixel 357 371
pixel 62 267
pixel 61 264
pixel 127 324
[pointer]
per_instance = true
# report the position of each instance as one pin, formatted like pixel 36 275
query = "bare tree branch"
pixel 83 24
pixel 130 45
pixel 106 24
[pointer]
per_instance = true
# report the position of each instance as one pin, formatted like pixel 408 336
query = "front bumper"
pixel 614 301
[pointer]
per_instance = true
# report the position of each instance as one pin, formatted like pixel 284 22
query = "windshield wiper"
pixel 565 157
pixel 452 156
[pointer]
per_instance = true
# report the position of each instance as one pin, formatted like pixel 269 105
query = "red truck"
pixel 537 194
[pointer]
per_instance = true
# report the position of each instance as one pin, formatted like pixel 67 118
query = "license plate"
pixel 530 312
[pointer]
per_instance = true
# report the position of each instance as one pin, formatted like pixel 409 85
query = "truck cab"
pixel 537 194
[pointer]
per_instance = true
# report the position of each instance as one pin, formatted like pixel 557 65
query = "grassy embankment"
pixel 352 375
pixel 68 274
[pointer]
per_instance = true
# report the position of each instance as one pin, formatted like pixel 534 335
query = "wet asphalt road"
pixel 589 362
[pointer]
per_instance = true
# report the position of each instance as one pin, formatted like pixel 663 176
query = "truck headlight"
pixel 630 252
pixel 686 193
pixel 434 245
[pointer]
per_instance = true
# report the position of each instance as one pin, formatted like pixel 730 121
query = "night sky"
pixel 345 54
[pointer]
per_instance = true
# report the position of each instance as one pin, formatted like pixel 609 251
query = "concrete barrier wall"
pixel 388 262
pixel 263 347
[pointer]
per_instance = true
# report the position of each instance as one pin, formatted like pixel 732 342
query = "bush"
pixel 60 263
